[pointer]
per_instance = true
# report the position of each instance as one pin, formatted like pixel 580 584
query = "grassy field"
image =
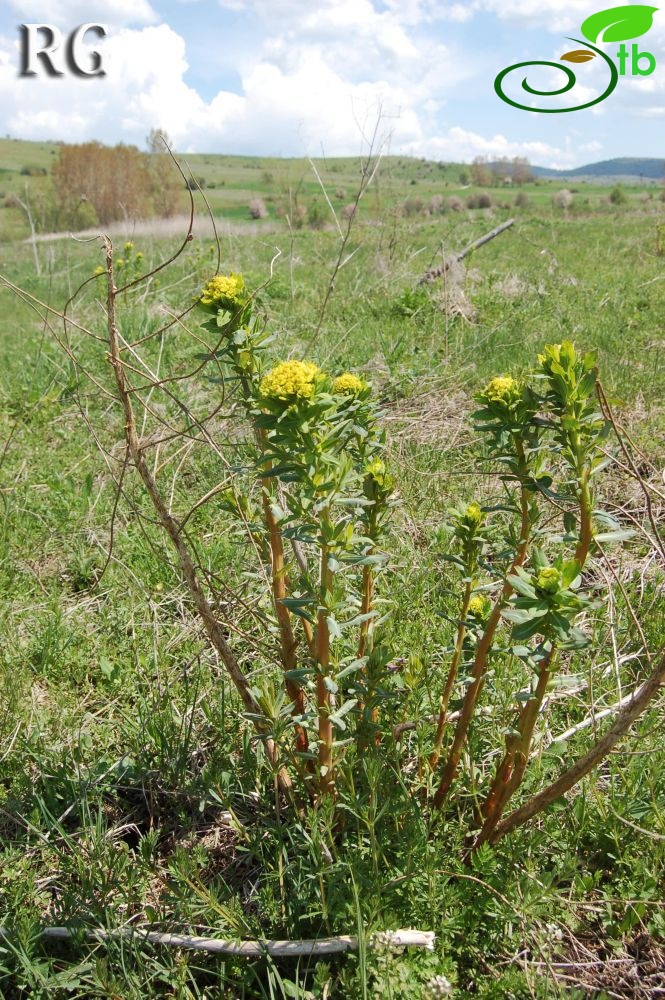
pixel 131 789
pixel 291 186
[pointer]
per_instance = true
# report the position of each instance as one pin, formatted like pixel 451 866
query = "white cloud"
pixel 552 14
pixel 75 12
pixel 459 144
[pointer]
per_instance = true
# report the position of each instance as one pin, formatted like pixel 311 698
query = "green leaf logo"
pixel 618 24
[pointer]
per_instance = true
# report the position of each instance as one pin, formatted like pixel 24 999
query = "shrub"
pixel 412 207
pixel 257 209
pixel 437 205
pixel 482 200
pixel 316 215
pixel 562 199
pixel 618 195
pixel 522 200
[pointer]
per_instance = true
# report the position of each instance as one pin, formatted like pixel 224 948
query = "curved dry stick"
pixel 393 940
pixel 589 761
pixel 172 529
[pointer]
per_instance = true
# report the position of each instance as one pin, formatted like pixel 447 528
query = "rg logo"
pixel 45 45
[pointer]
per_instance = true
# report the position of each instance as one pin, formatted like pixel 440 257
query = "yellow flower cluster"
pixel 502 389
pixel 349 384
pixel 479 606
pixel 377 470
pixel 473 515
pixel 99 270
pixel 548 580
pixel 129 246
pixel 290 380
pixel 224 291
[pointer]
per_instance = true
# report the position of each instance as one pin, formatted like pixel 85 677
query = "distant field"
pixel 291 187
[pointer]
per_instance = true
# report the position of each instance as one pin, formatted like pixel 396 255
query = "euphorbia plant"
pixel 507 416
pixel 318 461
pixel 325 494
pixel 548 601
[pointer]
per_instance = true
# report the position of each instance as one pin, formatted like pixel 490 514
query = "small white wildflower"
pixel 383 940
pixel 439 986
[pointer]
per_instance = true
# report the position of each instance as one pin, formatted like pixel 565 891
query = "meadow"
pixel 133 792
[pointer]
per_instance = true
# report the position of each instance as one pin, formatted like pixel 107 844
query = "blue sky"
pixel 295 77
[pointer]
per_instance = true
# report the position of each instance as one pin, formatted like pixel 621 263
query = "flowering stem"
pixel 366 638
pixel 451 678
pixel 590 760
pixel 586 528
pixel 288 640
pixel 326 775
pixel 485 643
pixel 510 772
pixel 279 577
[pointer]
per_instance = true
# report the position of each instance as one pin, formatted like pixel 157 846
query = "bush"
pixel 483 200
pixel 562 199
pixel 455 204
pixel 437 205
pixel 316 215
pixel 412 207
pixel 257 209
pixel 522 200
pixel 618 195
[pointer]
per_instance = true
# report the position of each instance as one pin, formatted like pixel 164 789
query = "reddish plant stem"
pixel 451 678
pixel 322 639
pixel 510 772
pixel 280 590
pixel 366 637
pixel 483 649
pixel 590 760
pixel 288 641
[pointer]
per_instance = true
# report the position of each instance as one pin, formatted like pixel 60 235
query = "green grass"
pixel 121 746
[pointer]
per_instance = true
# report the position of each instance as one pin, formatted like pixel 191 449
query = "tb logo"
pixel 45 46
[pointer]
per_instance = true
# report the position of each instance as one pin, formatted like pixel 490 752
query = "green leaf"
pixel 618 24
pixel 523 588
pixel 333 627
pixel 615 536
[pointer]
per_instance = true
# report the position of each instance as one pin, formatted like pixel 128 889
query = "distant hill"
pixel 648 168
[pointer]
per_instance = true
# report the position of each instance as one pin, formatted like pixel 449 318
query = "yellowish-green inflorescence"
pixel 479 606
pixel 224 291
pixel 548 580
pixel 473 515
pixel 290 381
pixel 349 384
pixel 502 389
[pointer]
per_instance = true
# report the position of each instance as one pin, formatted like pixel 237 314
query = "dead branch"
pixel 437 272
pixel 392 940
pixel 637 704
pixel 173 529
